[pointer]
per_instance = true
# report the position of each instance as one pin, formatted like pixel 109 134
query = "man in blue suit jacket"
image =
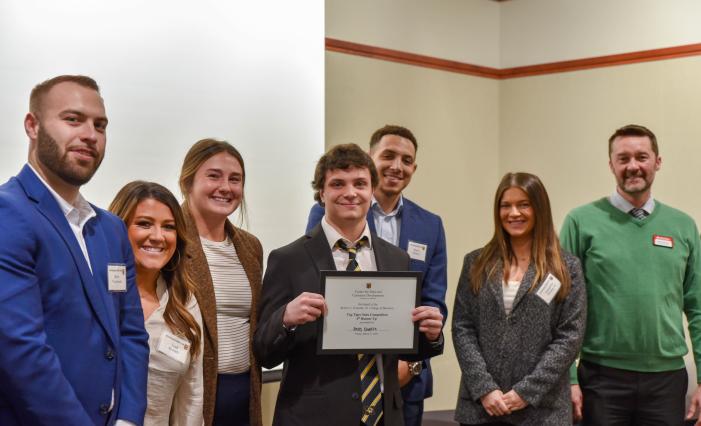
pixel 415 230
pixel 73 349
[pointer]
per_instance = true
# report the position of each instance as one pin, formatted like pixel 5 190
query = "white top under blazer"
pixel 175 389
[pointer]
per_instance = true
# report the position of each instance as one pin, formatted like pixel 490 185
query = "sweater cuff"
pixel 478 390
pixel 573 374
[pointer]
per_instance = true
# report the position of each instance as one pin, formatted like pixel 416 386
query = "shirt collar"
pixel 625 206
pixel 332 235
pixel 375 206
pixel 79 212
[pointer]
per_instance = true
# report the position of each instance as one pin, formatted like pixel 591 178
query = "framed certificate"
pixel 369 312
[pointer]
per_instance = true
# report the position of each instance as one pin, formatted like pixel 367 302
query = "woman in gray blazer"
pixel 519 315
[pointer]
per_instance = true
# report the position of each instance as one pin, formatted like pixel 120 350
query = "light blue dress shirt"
pixel 625 206
pixel 387 225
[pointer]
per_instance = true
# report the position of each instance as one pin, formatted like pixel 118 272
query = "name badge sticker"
pixel 174 347
pixel 116 277
pixel 417 251
pixel 662 241
pixel 549 288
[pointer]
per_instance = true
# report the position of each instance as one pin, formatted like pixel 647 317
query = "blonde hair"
pixel 202 151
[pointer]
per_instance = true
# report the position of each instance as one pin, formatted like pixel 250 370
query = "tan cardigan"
pixel 250 253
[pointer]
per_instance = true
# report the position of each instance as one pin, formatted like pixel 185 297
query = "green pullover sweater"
pixel 637 286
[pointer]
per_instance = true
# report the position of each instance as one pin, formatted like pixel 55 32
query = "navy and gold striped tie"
pixel 369 375
pixel 352 252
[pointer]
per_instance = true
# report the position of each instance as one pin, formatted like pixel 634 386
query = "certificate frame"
pixel 408 334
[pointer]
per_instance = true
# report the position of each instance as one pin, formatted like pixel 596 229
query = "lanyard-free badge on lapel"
pixel 417 251
pixel 116 277
pixel 174 347
pixel 662 241
pixel 549 288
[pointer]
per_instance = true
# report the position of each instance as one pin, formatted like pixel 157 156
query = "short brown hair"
pixel 40 90
pixel 634 130
pixel 342 157
pixel 391 129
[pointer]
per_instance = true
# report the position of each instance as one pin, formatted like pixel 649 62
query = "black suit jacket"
pixel 320 389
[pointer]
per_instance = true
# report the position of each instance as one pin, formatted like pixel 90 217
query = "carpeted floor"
pixel 439 418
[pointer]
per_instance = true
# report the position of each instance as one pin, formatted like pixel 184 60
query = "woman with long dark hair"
pixel 519 315
pixel 156 229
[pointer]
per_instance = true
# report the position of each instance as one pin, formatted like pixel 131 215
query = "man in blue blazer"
pixel 73 349
pixel 417 231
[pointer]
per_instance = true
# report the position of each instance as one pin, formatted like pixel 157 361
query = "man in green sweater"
pixel 642 265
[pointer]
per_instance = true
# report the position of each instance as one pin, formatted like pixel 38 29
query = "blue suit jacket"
pixel 66 342
pixel 421 226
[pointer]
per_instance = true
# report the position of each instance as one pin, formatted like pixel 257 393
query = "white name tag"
pixel 417 251
pixel 174 347
pixel 116 277
pixel 549 288
pixel 662 241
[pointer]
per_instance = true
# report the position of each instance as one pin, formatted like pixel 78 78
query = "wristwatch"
pixel 415 368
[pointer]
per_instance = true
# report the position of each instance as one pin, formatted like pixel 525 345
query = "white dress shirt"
pixel 365 256
pixel 175 389
pixel 77 215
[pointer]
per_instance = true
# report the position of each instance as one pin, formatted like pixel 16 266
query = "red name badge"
pixel 662 241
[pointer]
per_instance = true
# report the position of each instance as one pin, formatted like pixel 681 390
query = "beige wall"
pixel 557 127
pixel 268 397
pixel 515 33
pixel 540 31
pixel 460 30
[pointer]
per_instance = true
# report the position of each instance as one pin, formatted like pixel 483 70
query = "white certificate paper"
pixel 369 312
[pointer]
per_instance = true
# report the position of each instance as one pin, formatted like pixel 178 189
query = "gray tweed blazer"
pixel 529 351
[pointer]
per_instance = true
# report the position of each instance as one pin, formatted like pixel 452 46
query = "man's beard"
pixel 49 155
pixel 634 190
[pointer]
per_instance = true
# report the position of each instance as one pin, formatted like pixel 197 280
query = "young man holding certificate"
pixel 400 221
pixel 348 389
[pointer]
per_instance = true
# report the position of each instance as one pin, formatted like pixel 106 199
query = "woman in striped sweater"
pixel 226 263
